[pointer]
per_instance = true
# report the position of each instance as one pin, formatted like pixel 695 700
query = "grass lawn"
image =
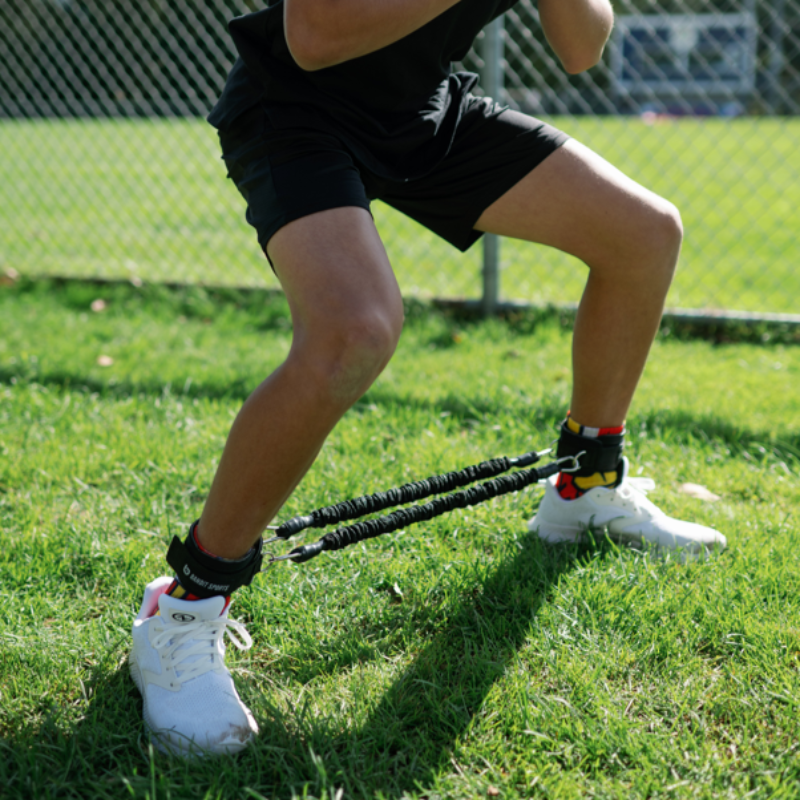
pixel 148 199
pixel 459 658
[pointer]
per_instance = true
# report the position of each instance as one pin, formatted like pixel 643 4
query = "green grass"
pixel 555 672
pixel 148 199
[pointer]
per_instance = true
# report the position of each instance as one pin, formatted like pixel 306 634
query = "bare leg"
pixel 629 238
pixel 347 314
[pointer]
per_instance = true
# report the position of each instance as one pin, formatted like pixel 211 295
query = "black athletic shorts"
pixel 288 174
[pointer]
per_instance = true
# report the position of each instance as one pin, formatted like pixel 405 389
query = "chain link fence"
pixel 109 170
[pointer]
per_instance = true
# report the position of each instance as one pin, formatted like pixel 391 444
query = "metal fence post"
pixel 493 86
pixel 775 60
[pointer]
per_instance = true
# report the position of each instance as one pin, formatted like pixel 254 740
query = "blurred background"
pixel 109 170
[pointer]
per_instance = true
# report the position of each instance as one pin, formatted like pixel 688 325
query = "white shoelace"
pixel 198 640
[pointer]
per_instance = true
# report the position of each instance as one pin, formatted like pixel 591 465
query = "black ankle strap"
pixel 205 576
pixel 600 454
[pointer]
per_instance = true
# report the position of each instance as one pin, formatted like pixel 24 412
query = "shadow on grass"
pixel 406 742
pixel 673 425
pixel 56 757
pixel 411 736
pixel 458 406
pixel 688 428
pixel 63 380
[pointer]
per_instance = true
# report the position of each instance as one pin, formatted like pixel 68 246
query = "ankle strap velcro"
pixel 205 576
pixel 600 454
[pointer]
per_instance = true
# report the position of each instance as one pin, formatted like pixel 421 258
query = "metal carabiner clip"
pixel 575 460
pixel 273 559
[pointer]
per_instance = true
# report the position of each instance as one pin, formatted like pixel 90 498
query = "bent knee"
pixel 653 239
pixel 344 356
pixel 661 228
pixel 365 342
pixel 668 233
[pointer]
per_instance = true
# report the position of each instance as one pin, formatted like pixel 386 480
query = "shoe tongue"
pixel 182 612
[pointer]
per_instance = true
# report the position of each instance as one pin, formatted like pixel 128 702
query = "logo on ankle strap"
pixel 214 578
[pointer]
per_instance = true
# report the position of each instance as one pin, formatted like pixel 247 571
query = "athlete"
pixel 334 103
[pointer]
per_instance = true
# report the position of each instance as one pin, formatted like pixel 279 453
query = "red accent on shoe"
pixel 174 585
pixel 188 596
pixel 566 487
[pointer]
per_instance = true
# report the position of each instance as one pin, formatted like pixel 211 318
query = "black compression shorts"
pixel 288 174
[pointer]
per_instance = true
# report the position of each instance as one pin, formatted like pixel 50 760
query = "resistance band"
pixel 409 492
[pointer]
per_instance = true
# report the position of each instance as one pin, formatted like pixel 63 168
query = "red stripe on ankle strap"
pixel 612 431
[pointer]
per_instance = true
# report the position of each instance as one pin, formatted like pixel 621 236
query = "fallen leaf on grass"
pixel 698 491
pixel 9 277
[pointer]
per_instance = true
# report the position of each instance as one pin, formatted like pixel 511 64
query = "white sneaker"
pixel 191 706
pixel 626 515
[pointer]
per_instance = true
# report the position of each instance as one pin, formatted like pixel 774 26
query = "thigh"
pixel 493 148
pixel 285 175
pixel 307 201
pixel 335 272
pixel 577 202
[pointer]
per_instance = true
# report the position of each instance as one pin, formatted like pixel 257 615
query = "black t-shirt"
pixel 396 109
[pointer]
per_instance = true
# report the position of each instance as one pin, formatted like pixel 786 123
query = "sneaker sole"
pixel 559 534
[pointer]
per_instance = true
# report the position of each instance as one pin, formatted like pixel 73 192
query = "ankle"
pixel 598 452
pixel 199 574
